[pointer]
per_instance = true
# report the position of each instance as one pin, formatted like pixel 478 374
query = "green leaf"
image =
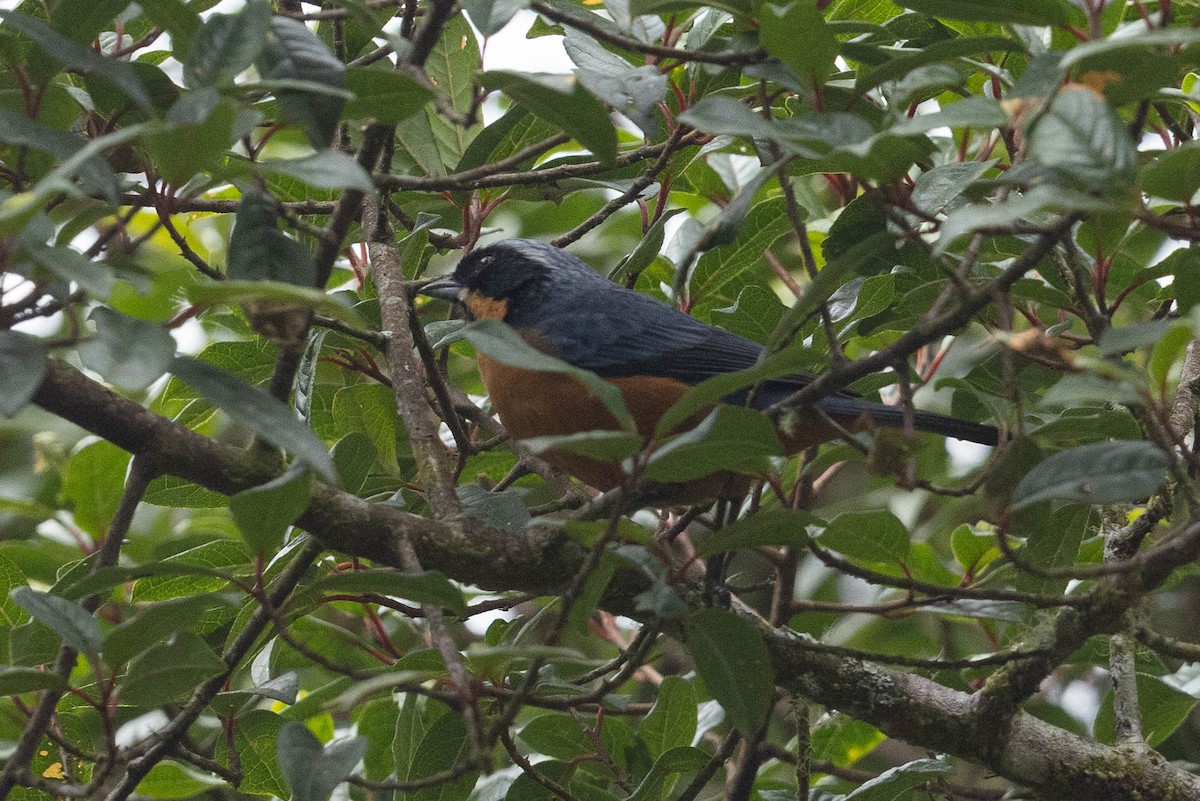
pixel 22 368
pixel 94 481
pixel 156 622
pixel 635 91
pixel 1173 174
pixel 269 418
pixel 327 169
pixel 265 513
pixel 21 680
pixel 604 445
pixel 503 510
pixel 1014 12
pixel 353 456
pixel 1163 710
pixel 369 409
pixel 938 52
pixel 170 780
pixel 755 314
pixel 973 551
pixel 95 174
pixel 871 536
pixel 226 46
pixel 170 671
pixel 1082 138
pixel 78 57
pixel 895 782
pixel 733 662
pixel 843 740
pixel 193 571
pixel 782 27
pixel 783 527
pixel 490 16
pixel 384 95
pixel 69 620
pixel 177 19
pixel 272 294
pixel 1099 473
pixel 562 101
pixel 442 746
pixel 430 587
pixel 311 770
pixel 201 132
pixel 259 250
pixel 671 722
pixel 254 740
pixel 556 735
pixel 682 759
pixel 730 438
pixel 502 343
pixel 128 352
pixel 293 53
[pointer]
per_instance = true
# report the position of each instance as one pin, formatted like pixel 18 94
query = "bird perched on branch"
pixel 653 353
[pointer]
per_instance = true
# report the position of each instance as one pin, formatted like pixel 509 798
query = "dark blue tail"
pixel 844 406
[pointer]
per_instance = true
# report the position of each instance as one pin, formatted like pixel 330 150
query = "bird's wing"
pixel 623 333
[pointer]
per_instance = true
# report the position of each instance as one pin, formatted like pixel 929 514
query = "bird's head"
pixel 490 280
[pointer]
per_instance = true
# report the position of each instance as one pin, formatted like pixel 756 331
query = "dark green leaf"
pixel 783 527
pixel 1016 12
pixel 259 250
pixel 729 438
pixel 681 759
pixel 1163 709
pixel 69 620
pixel 503 510
pixel 95 477
pixel 671 722
pixel 264 513
pixel 293 53
pixel 20 680
pixel 269 418
pixel 430 587
pixel 128 352
pixel 226 46
pixel 95 174
pixel 1173 174
pixel 557 735
pixel 490 16
pixel 783 26
pixel 900 66
pixel 201 132
pixel 79 57
pixel 22 368
pixel 442 746
pixel 170 671
pixel 327 169
pixel 1082 138
pixel 894 782
pixel 604 445
pixel 254 739
pixel 384 95
pixel 155 623
pixel 562 101
pixel 353 456
pixel 177 19
pixel 170 780
pixel 312 771
pixel 871 536
pixel 733 662
pixel 635 91
pixel 1103 472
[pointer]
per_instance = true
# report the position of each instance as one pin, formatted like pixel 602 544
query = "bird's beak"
pixel 445 288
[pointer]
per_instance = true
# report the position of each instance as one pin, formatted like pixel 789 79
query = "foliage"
pixel 260 536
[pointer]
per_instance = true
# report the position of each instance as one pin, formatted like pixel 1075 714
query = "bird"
pixel 652 352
